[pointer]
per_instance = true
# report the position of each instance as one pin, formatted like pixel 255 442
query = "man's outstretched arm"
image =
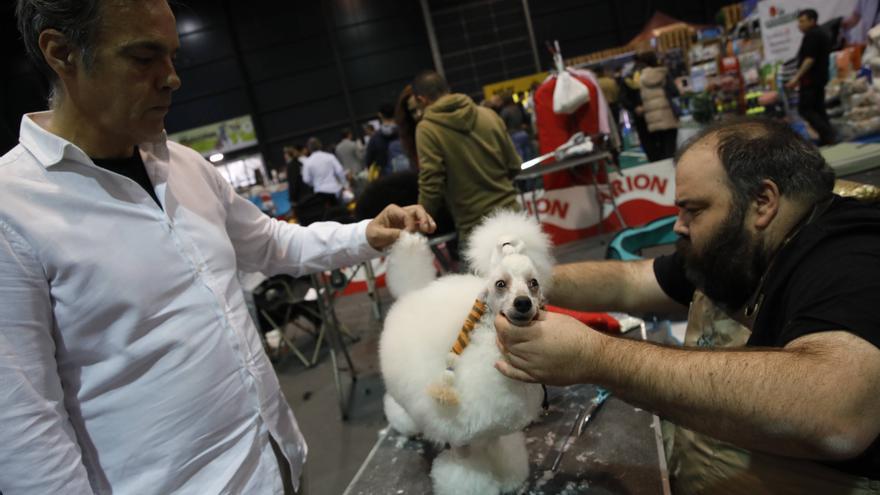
pixel 610 285
pixel 816 398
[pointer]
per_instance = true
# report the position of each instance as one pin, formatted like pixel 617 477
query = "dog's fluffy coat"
pixel 487 452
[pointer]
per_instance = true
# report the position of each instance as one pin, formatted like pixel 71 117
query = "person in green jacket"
pixel 466 157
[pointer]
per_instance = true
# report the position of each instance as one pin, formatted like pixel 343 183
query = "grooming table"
pixel 620 451
pixel 527 180
pixel 852 158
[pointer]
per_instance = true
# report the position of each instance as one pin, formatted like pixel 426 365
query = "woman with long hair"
pixel 407 115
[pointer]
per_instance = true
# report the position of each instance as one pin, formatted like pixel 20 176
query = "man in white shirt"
pixel 128 361
pixel 322 170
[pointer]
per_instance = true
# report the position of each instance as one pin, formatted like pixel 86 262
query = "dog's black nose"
pixel 522 304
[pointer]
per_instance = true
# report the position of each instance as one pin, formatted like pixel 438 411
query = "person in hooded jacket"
pixel 466 156
pixel 656 90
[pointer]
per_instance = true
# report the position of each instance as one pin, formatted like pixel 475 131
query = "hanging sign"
pixel 779 23
pixel 219 137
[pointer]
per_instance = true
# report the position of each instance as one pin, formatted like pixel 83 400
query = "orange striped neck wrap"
pixel 444 390
pixel 464 335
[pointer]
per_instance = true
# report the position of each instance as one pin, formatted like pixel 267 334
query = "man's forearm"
pixel 588 286
pixel 432 181
pixel 610 285
pixel 805 66
pixel 786 402
pixel 430 201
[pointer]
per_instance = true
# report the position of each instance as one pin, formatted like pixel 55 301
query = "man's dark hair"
pixel 314 144
pixel 78 20
pixel 754 149
pixel 346 132
pixel 430 85
pixel 386 110
pixel 810 14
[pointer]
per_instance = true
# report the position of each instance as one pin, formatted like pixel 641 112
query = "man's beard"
pixel 730 266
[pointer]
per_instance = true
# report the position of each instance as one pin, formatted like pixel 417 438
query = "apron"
pixel 699 464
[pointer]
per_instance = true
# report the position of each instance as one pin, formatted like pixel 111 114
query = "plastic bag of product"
pixel 569 94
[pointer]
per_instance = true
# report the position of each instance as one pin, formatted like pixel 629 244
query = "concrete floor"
pixel 337 448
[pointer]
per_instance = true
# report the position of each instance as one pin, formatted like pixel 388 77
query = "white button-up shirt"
pixel 128 360
pixel 324 173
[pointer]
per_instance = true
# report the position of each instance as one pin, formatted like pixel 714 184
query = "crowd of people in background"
pixel 397 157
pixel 641 95
pixel 386 163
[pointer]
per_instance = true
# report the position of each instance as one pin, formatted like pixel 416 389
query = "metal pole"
pixel 327 10
pixel 528 15
pixel 432 38
pixel 250 93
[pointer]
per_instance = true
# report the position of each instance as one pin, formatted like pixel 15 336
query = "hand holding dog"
pixel 554 349
pixel 383 230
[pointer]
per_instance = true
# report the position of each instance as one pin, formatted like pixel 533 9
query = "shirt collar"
pixel 50 149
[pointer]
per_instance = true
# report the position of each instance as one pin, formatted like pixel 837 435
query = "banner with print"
pixel 642 194
pixel 779 23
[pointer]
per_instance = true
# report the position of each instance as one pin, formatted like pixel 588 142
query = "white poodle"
pixel 440 378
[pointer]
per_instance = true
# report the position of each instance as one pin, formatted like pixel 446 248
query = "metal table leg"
pixel 371 290
pixel 337 344
pixel 595 166
pixel 617 213
pixel 535 201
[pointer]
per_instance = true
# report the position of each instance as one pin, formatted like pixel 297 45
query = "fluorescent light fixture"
pixel 216 157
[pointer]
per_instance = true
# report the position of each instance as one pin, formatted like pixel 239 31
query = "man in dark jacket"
pixel 384 147
pixel 466 157
pixel 812 75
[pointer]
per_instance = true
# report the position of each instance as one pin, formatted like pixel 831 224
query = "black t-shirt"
pixel 826 278
pixel 816 45
pixel 297 190
pixel 131 167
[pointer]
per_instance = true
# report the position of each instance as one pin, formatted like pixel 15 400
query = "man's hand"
pixel 383 230
pixel 555 349
pixel 791 84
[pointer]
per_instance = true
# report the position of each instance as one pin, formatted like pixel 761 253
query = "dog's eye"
pixel 500 284
pixel 533 283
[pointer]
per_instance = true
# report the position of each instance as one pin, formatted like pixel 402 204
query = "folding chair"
pixel 281 301
pixel 628 243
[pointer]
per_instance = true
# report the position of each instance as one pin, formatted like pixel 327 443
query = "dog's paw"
pixel 398 418
pixel 455 473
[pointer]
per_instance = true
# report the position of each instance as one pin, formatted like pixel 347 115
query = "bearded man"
pixel 776 388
